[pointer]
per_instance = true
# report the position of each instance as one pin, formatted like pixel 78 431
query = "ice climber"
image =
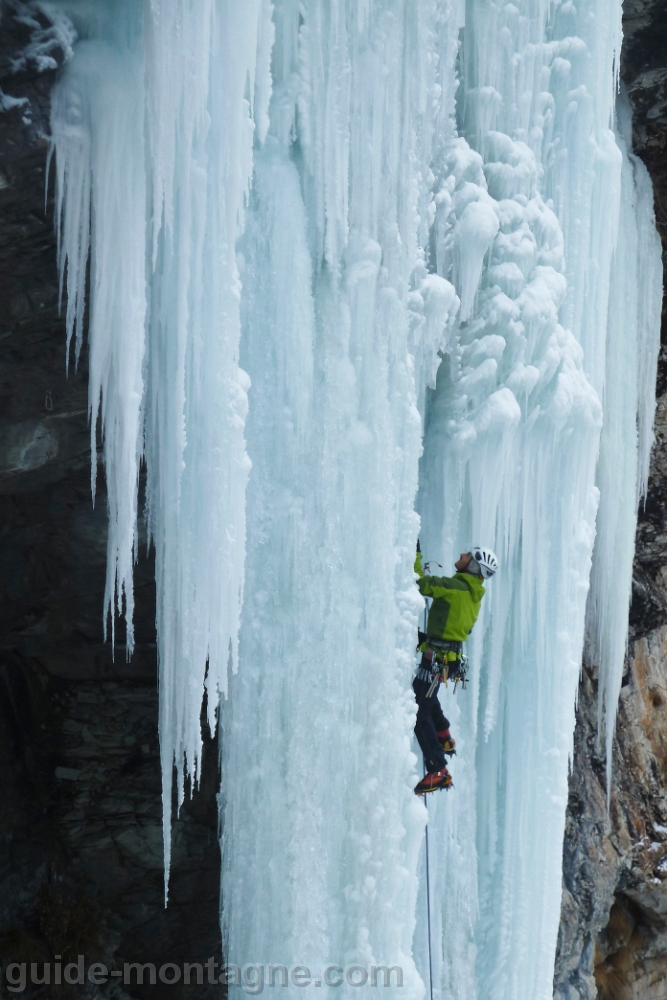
pixel 455 605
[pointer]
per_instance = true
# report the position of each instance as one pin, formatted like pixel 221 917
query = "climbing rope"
pixel 428 906
pixel 428 875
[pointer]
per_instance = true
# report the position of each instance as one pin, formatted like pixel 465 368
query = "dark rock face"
pixel 80 813
pixel 613 934
pixel 644 70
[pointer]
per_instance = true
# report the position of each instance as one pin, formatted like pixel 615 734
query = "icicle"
pixel 633 326
pixel 97 127
pixel 153 130
pixel 199 58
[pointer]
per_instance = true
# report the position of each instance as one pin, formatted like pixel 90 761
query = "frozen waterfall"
pixel 359 271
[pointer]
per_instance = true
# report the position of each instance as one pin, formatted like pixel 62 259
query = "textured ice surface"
pixel 416 227
pixel 153 131
pixel 627 435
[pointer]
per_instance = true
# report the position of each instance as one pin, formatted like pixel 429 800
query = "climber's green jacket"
pixel 456 603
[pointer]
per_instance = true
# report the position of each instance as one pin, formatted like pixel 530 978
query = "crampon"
pixel 434 780
pixel 447 742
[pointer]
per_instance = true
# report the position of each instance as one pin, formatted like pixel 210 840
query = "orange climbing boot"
pixel 433 781
pixel 447 742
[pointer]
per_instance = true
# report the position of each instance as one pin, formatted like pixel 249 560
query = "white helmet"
pixel 486 560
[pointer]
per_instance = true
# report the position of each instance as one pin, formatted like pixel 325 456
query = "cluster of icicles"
pixel 362 270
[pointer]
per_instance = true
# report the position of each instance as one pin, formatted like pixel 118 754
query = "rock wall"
pixel 613 935
pixel 80 810
pixel 613 939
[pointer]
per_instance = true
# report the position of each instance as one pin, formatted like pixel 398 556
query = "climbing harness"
pixel 447 663
pixel 445 645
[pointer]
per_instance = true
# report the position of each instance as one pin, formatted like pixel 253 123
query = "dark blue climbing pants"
pixel 430 722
